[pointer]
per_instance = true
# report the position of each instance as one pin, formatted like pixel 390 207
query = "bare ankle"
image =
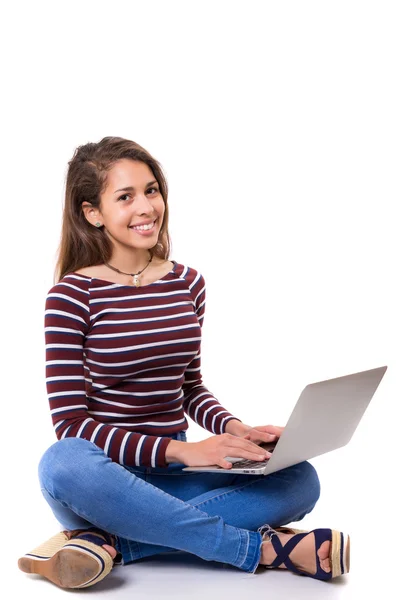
pixel 267 553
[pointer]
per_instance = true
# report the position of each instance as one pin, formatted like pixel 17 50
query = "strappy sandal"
pixel 72 559
pixel 339 554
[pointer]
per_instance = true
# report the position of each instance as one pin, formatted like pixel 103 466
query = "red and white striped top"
pixel 123 363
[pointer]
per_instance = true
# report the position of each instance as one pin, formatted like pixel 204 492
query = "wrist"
pixel 236 427
pixel 173 452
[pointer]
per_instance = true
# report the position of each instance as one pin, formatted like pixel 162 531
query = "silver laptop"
pixel 325 417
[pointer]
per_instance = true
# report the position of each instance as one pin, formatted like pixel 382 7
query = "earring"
pixel 98 224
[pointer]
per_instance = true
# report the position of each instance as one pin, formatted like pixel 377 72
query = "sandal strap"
pixel 282 552
pixel 94 535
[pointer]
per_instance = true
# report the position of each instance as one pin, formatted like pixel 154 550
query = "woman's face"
pixel 140 202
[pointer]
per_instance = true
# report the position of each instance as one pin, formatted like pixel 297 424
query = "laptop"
pixel 325 417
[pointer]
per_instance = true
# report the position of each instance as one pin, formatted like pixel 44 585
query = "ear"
pixel 91 214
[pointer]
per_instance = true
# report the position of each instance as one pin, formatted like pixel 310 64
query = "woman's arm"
pixel 199 402
pixel 67 323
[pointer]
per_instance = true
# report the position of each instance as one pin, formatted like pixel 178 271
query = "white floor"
pixel 361 503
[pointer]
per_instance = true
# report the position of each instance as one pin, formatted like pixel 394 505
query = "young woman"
pixel 123 336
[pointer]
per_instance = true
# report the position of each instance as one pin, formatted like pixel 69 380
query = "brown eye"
pixel 155 190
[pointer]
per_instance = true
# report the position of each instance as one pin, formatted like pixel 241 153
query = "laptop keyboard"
pixel 249 463
pixel 255 463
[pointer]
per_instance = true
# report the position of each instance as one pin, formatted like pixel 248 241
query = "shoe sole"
pixel 75 565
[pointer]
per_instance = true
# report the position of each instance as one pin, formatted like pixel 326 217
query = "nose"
pixel 143 205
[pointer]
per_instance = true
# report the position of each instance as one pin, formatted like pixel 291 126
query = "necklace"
pixel 136 280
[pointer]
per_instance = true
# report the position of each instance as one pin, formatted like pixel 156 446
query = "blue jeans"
pixel 154 510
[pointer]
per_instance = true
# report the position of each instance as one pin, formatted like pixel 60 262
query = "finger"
pixel 274 430
pixel 250 456
pixel 266 437
pixel 238 448
pixel 243 444
pixel 225 464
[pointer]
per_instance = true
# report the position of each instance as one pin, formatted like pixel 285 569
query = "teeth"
pixel 145 227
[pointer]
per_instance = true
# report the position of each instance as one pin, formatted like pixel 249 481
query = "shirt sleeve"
pixel 199 402
pixel 67 321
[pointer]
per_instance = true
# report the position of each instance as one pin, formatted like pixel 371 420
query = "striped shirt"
pixel 123 363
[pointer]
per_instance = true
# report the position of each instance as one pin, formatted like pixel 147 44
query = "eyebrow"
pixel 132 189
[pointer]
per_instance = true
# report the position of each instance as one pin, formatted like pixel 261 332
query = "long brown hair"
pixel 82 244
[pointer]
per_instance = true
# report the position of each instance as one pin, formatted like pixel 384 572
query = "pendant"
pixel 136 281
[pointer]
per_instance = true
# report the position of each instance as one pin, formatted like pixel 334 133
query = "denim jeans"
pixel 155 510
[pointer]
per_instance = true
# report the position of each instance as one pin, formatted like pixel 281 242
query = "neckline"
pixel 128 286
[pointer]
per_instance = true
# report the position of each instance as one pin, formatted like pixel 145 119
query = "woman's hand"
pixel 213 451
pixel 264 434
pixel 260 434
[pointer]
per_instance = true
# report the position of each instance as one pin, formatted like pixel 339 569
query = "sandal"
pixel 339 553
pixel 72 559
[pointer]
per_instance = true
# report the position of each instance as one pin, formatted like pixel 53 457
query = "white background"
pixel 277 125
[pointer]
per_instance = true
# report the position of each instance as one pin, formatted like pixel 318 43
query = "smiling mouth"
pixel 148 227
